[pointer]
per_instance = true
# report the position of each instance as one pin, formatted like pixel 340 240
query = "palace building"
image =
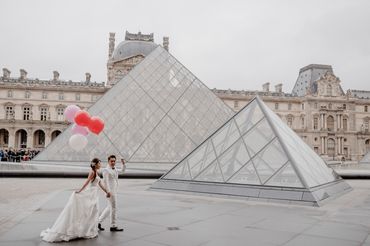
pixel 333 122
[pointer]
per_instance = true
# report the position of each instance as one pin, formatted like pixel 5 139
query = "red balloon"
pixel 96 125
pixel 82 118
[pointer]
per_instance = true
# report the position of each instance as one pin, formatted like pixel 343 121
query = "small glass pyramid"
pixel 157 113
pixel 254 149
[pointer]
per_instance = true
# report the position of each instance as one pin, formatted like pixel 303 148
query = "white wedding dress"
pixel 79 218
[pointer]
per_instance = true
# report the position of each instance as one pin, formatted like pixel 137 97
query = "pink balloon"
pixel 76 129
pixel 70 112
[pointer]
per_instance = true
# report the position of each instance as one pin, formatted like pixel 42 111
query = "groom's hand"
pixel 123 161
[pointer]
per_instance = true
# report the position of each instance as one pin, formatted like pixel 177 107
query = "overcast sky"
pixel 227 44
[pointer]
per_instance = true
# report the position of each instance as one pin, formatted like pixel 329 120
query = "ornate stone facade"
pixel 334 124
pixel 31 111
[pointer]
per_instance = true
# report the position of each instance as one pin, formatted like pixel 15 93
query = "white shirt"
pixel 110 177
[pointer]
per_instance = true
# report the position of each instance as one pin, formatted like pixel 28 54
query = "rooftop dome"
pixel 130 48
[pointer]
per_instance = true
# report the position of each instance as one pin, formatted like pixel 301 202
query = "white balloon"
pixel 77 142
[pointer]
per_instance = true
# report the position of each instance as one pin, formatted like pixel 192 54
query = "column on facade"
pixel 322 145
pixel 338 146
pixel 325 122
pixel 30 139
pixel 11 140
pixel 47 137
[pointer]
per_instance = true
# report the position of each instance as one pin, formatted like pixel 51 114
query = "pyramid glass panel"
pixel 246 175
pixel 269 160
pixel 254 154
pixel 286 176
pixel 225 137
pixel 157 113
pixel 233 159
pixel 248 117
pixel 211 174
pixel 313 169
pixel 201 159
pixel 180 172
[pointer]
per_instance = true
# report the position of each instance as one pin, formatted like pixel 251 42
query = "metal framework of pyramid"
pixel 365 159
pixel 157 113
pixel 255 154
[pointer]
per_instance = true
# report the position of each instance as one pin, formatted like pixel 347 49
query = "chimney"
pixel 23 74
pixel 111 44
pixel 279 88
pixel 55 75
pixel 165 43
pixel 6 73
pixel 266 87
pixel 88 77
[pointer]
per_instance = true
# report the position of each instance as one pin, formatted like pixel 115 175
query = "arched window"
pixel 4 138
pixel 330 123
pixel 39 139
pixel 55 134
pixel 367 145
pixel 329 90
pixel 331 147
pixel 21 139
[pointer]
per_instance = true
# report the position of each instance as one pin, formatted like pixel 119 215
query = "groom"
pixel 110 179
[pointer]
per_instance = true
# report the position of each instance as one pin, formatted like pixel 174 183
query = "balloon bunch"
pixel 83 123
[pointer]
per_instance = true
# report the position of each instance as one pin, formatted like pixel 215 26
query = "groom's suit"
pixel 110 181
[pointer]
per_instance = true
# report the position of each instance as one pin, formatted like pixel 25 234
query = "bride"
pixel 79 218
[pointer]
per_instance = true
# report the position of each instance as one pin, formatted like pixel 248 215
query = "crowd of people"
pixel 17 155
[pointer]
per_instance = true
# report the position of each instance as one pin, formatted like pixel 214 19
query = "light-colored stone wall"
pixel 37 94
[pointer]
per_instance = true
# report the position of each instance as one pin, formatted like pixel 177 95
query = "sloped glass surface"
pixel 157 113
pixel 312 168
pixel 248 117
pixel 225 137
pixel 201 159
pixel 246 175
pixel 269 160
pixel 267 153
pixel 180 172
pixel 233 159
pixel 259 136
pixel 211 174
pixel 286 177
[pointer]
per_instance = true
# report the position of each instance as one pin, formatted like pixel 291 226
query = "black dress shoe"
pixel 100 228
pixel 116 229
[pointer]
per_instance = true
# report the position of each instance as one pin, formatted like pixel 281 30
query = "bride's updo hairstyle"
pixel 93 164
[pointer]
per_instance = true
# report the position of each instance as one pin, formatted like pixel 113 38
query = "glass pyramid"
pixel 157 113
pixel 254 149
pixel 365 159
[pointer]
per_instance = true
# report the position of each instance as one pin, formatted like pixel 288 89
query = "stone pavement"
pixel 158 218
